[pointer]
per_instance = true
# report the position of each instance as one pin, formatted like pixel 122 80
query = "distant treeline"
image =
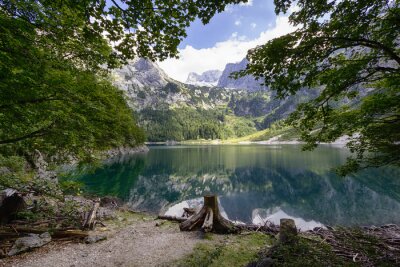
pixel 187 123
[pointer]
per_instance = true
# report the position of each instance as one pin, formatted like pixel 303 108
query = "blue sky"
pixel 247 20
pixel 226 38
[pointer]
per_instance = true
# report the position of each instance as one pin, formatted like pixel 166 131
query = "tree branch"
pixel 37 133
pixel 118 6
pixel 367 43
pixel 144 8
pixel 30 101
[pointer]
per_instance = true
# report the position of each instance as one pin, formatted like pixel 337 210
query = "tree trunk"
pixel 209 219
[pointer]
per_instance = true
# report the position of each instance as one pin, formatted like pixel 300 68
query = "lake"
pixel 255 183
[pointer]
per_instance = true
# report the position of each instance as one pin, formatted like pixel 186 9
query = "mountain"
pixel 147 86
pixel 207 78
pixel 248 82
pixel 140 73
pixel 171 110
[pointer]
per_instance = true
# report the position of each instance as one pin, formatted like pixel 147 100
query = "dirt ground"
pixel 130 242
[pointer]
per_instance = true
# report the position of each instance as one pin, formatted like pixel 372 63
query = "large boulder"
pixel 29 242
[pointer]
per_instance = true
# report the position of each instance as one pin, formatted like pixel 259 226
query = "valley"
pixel 169 110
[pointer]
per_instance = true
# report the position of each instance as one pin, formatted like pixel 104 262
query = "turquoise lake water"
pixel 255 183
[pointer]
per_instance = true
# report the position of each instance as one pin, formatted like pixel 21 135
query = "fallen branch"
pixel 171 218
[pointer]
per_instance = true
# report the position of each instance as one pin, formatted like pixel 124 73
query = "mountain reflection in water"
pixel 254 182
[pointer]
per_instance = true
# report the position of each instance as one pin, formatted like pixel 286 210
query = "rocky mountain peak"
pixel 248 82
pixel 140 73
pixel 207 78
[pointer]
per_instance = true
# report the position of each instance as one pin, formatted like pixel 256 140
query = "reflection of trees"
pixel 325 198
pixel 115 178
pixel 260 180
pixel 156 192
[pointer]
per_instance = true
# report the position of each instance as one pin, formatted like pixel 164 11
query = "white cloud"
pixel 249 3
pixel 253 25
pixel 232 50
pixel 238 22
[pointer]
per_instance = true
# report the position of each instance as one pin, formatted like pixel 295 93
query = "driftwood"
pixel 351 243
pixel 18 231
pixel 267 228
pixel 171 218
pixel 69 234
pixel 89 221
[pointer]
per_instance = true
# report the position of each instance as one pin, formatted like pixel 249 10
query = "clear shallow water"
pixel 255 183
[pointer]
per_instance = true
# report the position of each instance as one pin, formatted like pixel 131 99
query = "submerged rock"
pixel 29 242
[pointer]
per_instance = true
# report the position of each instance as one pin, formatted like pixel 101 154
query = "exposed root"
pixel 209 219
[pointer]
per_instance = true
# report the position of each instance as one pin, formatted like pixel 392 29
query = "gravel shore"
pixel 139 242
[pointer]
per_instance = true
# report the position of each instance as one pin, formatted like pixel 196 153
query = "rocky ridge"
pixel 207 78
pixel 146 85
pixel 248 82
pixel 168 109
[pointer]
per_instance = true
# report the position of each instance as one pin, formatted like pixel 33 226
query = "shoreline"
pixel 275 140
pixel 120 151
pixel 139 239
pixel 227 142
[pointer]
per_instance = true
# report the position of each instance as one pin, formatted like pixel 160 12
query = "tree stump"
pixel 287 231
pixel 11 202
pixel 90 217
pixel 208 219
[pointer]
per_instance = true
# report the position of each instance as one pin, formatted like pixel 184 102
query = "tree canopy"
pixel 78 29
pixel 48 104
pixel 350 52
pixel 55 93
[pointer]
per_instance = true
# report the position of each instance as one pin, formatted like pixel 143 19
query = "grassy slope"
pixel 283 134
pixel 226 251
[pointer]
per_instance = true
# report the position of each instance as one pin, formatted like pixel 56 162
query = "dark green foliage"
pixel 208 113
pixel 349 50
pixel 54 102
pixel 181 124
pixel 187 123
pixel 71 187
pixel 47 103
pixel 144 28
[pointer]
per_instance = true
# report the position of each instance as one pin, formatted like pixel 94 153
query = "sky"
pixel 226 38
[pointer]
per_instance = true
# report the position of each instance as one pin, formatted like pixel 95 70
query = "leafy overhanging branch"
pixel 348 51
